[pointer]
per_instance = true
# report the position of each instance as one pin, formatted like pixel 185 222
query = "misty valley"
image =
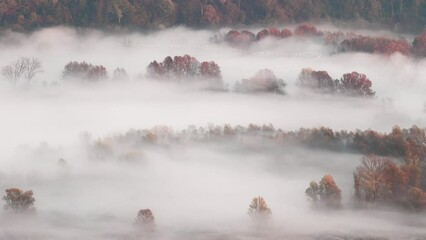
pixel 289 131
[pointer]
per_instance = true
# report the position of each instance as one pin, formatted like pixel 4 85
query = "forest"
pixel 25 15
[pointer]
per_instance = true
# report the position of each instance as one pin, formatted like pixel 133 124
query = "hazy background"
pixel 196 191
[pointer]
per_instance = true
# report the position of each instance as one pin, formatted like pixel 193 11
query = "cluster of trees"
pixel 263 81
pixel 148 14
pixel 350 84
pixel 245 37
pixel 88 72
pixel 19 201
pixel 396 144
pixel 343 42
pixel 184 67
pixel 325 194
pixel 378 45
pixel 24 68
pixel 380 180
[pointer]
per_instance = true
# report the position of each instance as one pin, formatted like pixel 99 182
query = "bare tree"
pixel 32 67
pixel 23 67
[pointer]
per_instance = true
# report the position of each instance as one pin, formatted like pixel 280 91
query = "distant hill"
pixel 25 15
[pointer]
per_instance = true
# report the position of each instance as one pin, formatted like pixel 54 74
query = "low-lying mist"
pixel 200 191
pixel 196 191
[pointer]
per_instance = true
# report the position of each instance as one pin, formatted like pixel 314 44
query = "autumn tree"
pixel 243 38
pixel 258 208
pixel 84 71
pixel 18 201
pixel 416 199
pixel 380 45
pixel 419 45
pixel 24 67
pixel 210 15
pixel 307 30
pixel 355 84
pixel 145 220
pixel 318 81
pixel 325 194
pixel 183 67
pixel 263 81
pixel 379 179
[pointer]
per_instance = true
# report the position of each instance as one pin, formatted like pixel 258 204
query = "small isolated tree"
pixel 84 71
pixel 145 220
pixel 24 67
pixel 325 194
pixel 18 201
pixel 259 208
pixel 120 74
pixel 263 81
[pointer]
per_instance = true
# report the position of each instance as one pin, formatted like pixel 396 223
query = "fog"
pixel 199 190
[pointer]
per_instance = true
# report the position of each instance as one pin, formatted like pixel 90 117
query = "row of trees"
pixel 92 73
pixel 396 144
pixel 183 67
pixel 350 84
pixel 188 69
pixel 147 14
pixel 343 42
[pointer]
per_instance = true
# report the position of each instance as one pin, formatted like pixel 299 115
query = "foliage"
pixel 351 84
pixel 258 208
pixel 145 220
pixel 148 14
pixel 263 81
pixel 325 194
pixel 355 84
pixel 379 45
pixel 18 201
pixel 184 67
pixel 419 45
pixel 84 71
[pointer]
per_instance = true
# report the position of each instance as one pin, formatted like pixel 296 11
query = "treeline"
pixel 397 144
pixel 340 41
pixel 154 14
pixel 392 171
